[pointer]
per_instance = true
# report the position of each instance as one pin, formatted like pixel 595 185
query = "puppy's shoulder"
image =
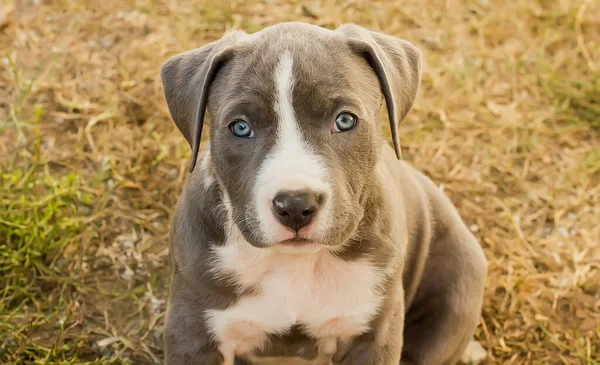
pixel 421 196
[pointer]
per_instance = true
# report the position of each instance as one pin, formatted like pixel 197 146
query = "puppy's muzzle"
pixel 296 209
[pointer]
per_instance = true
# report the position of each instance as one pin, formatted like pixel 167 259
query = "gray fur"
pixel 395 215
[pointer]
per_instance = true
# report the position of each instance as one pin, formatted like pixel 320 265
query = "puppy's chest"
pixel 324 297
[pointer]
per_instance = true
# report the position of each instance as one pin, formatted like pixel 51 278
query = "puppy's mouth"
pixel 298 245
pixel 297 241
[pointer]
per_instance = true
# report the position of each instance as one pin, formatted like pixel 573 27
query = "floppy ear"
pixel 186 79
pixel 397 64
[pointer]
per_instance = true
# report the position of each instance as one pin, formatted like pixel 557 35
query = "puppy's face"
pixel 295 136
pixel 295 133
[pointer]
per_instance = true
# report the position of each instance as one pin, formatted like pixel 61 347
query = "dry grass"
pixel 507 122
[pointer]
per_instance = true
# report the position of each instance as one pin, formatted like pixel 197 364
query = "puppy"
pixel 301 237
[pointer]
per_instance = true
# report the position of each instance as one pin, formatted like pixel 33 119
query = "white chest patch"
pixel 331 298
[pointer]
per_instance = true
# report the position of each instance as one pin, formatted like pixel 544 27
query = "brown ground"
pixel 507 123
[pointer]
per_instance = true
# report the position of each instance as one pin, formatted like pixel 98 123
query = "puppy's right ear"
pixel 397 64
pixel 186 79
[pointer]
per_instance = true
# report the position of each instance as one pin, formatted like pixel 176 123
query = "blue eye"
pixel 344 122
pixel 241 129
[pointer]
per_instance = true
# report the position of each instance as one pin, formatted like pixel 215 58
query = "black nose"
pixel 296 209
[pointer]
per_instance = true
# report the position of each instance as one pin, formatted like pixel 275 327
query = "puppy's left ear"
pixel 397 64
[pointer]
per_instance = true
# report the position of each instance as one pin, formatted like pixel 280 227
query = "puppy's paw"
pixel 474 354
pixel 239 361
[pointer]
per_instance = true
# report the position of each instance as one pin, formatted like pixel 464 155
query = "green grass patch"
pixel 577 100
pixel 38 221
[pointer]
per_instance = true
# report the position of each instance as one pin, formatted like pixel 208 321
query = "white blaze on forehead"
pixel 284 80
pixel 291 165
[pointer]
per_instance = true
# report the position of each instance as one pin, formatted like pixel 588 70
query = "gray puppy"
pixel 301 238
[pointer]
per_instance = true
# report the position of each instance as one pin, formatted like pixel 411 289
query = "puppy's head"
pixel 295 133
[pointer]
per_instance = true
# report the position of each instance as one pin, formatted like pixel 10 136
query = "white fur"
pixel 332 298
pixel 206 172
pixel 292 165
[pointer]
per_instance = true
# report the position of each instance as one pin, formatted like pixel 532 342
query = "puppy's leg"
pixel 446 310
pixel 186 339
pixel 383 344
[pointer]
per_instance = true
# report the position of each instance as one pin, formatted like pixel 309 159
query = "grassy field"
pixel 507 122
